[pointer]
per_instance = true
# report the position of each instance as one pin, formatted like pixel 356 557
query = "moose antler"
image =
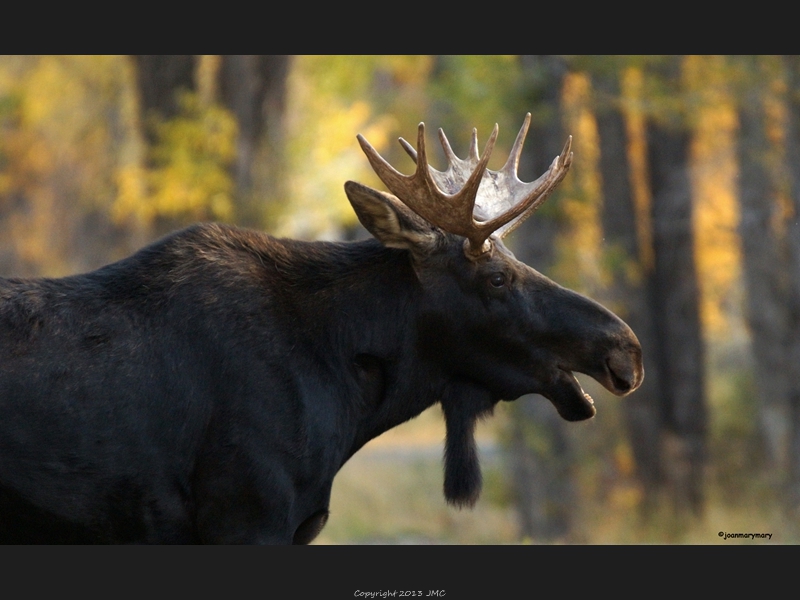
pixel 454 198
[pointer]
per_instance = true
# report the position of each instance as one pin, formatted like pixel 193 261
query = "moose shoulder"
pixel 210 387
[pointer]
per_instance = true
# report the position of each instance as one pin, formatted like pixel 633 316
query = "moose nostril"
pixel 621 371
pixel 621 384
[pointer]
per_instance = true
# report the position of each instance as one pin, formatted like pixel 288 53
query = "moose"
pixel 208 388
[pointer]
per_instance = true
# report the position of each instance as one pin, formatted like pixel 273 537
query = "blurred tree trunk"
pixel 160 78
pixel 765 287
pixel 629 295
pixel 254 87
pixel 792 66
pixel 540 452
pixel 674 297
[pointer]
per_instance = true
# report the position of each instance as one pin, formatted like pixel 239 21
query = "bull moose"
pixel 208 388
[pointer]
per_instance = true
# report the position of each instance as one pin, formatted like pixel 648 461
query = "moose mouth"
pixel 570 399
pixel 567 395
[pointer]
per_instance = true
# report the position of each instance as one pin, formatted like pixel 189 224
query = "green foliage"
pixel 477 91
pixel 605 65
pixel 734 436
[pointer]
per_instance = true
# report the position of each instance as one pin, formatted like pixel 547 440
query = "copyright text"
pixel 400 594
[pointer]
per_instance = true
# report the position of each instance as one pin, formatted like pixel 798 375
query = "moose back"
pixel 209 387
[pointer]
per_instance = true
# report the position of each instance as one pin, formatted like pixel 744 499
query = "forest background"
pixel 680 213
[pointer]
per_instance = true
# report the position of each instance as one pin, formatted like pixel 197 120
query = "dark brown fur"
pixel 209 387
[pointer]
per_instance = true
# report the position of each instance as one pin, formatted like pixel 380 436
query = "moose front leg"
pixel 239 500
pixel 244 519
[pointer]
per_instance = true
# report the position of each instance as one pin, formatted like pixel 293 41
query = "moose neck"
pixel 363 298
pixel 357 308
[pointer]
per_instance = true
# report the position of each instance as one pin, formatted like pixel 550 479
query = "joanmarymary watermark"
pixel 744 536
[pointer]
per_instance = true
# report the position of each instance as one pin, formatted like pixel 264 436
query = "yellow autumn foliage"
pixel 189 176
pixel 327 106
pixel 716 212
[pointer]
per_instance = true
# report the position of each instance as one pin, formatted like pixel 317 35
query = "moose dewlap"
pixel 209 387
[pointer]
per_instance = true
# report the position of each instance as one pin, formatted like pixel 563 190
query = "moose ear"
pixel 389 220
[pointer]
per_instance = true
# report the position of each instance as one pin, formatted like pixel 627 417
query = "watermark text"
pixel 401 594
pixel 744 536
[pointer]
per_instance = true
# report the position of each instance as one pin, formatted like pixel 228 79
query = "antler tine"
pixel 386 172
pixel 422 156
pixel 566 153
pixel 487 150
pixel 469 193
pixel 409 149
pixel 512 164
pixel 448 150
pixel 473 147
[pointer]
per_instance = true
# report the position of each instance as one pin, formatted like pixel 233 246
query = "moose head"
pixel 496 328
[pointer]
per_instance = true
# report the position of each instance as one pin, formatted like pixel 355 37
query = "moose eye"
pixel 497 280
